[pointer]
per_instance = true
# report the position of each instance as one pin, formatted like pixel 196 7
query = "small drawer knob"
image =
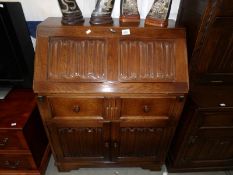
pixel 147 108
pixel 106 144
pixel 12 165
pixel 4 141
pixel 76 109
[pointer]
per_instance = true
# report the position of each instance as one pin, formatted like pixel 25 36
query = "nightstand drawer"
pixel 66 107
pixel 147 107
pixel 215 118
pixel 12 140
pixel 16 162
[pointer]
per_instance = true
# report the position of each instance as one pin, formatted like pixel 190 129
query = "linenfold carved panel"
pixel 78 142
pixel 77 59
pixel 144 141
pixel 147 60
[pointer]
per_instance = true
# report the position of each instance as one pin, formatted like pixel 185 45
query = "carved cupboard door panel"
pixel 78 140
pixel 204 151
pixel 138 142
pixel 218 51
pixel 144 129
pixel 77 128
pixel 211 140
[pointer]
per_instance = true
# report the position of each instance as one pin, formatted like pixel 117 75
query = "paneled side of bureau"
pixel 109 99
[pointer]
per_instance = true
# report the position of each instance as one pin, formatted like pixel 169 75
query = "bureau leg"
pixel 64 168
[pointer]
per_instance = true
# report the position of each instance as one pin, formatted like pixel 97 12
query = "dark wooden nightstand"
pixel 23 143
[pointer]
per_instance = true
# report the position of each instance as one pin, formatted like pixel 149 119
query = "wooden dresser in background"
pixel 204 139
pixel 110 95
pixel 23 143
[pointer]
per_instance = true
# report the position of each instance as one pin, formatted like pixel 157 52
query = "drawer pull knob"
pixel 222 105
pixel 115 145
pixel 76 109
pixel 106 144
pixel 4 141
pixel 147 108
pixel 12 165
pixel 41 98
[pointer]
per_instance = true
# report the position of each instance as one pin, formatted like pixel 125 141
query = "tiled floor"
pixel 52 170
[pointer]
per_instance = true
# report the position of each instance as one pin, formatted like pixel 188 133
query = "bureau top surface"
pixel 112 58
pixel 56 22
pixel 52 26
pixel 16 108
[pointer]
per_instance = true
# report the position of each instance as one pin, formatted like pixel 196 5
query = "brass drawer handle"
pixel 12 165
pixel 76 109
pixel 147 108
pixel 4 141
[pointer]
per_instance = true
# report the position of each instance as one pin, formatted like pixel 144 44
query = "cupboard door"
pixel 81 141
pixel 144 128
pixel 211 140
pixel 138 142
pixel 204 151
pixel 217 52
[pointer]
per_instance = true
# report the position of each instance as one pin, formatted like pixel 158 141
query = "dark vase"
pixel 102 12
pixel 158 14
pixel 71 13
pixel 129 11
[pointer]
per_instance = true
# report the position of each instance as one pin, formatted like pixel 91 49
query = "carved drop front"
pixel 147 60
pixel 77 59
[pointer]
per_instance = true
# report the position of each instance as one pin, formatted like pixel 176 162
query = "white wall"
pixel 38 10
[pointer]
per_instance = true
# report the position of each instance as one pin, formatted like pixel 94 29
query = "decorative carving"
pixel 74 130
pixel 148 61
pixel 158 14
pixel 78 142
pixel 143 141
pixel 141 129
pixel 80 60
pixel 112 105
pixel 208 21
pixel 102 12
pixel 71 13
pixel 129 11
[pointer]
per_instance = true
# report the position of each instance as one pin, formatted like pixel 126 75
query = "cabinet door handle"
pixel 106 144
pixel 12 165
pixel 76 109
pixel 4 141
pixel 41 98
pixel 115 145
pixel 146 108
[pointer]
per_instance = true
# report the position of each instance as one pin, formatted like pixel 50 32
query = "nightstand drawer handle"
pixel 4 141
pixel 222 105
pixel 76 109
pixel 12 165
pixel 146 108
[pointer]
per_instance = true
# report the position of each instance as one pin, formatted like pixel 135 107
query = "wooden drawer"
pixel 16 162
pixel 12 140
pixel 66 107
pixel 216 118
pixel 147 106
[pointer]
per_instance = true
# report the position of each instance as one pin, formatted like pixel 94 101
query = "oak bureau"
pixel 110 95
